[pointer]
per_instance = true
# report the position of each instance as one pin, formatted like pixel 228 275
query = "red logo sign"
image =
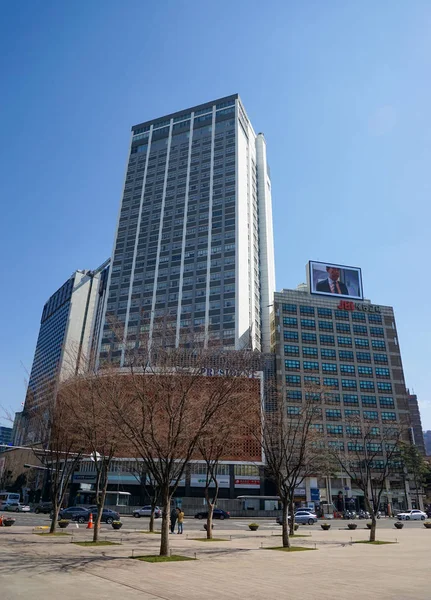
pixel 346 305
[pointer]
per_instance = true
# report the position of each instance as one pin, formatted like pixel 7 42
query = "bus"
pixel 8 498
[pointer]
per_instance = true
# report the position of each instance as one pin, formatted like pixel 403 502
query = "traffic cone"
pixel 90 522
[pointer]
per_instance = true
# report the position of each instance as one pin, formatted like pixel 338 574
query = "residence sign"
pixel 349 305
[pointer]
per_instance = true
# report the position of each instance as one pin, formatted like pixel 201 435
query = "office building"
pixel 5 436
pixel 427 439
pixel 68 336
pixel 326 334
pixel 194 241
pixel 417 436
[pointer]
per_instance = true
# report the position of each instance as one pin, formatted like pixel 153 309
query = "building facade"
pixel 5 436
pixel 194 241
pixel 417 435
pixel 352 349
pixel 68 338
pixel 427 440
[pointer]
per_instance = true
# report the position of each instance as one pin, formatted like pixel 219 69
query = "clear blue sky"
pixel 341 89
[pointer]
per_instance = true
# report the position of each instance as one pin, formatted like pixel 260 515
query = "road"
pixel 232 524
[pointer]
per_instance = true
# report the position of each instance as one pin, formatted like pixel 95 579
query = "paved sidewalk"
pixel 37 568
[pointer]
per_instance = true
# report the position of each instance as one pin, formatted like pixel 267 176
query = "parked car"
pixel 82 515
pixel 17 507
pixel 218 513
pixel 413 515
pixel 145 511
pixel 304 517
pixel 43 507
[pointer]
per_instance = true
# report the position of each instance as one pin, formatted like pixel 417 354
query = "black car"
pixel 43 507
pixel 218 513
pixel 82 515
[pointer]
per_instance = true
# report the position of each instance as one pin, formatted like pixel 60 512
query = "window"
pixel 377 331
pixel 386 401
pixel 342 315
pixel 378 344
pixel 290 321
pixel 384 387
pixel 345 355
pixel 366 385
pixel 333 414
pixel 389 416
pixel 360 329
pixel 380 359
pixel 289 308
pixel 293 410
pixel 327 340
pixel 331 382
pixel 308 323
pixel 369 401
pixel 336 430
pixel 343 328
pixel 331 398
pixel 306 310
pixel 344 341
pixel 374 318
pixel 348 384
pixel 309 338
pixel 382 373
pixel 317 427
pixel 336 445
pixel 371 415
pixel 326 326
pixel 295 395
pixel 353 430
pixel 291 350
pixel 355 447
pixel 329 368
pixel 350 399
pixel 351 413
pixel 365 370
pixel 311 366
pixel 292 365
pixel 361 343
pixel 293 380
pixel 375 431
pixel 357 316
pixel 363 357
pixel 328 353
pixel 312 379
pixel 374 447
pixel 308 351
pixel 347 369
pixel 324 312
pixel 290 336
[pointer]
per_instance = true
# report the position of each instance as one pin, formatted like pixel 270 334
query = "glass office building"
pixel 194 243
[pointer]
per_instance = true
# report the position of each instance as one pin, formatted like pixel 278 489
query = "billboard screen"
pixel 329 279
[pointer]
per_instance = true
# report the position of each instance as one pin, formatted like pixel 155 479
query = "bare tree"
pixel 149 487
pixel 416 466
pixel 293 448
pixel 373 454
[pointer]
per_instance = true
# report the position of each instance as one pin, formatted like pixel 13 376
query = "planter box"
pixel 352 525
pixel 8 522
pixel 325 526
pixel 399 525
pixel 117 525
pixel 253 527
pixel 427 525
pixel 63 525
pixel 205 526
pixel 368 525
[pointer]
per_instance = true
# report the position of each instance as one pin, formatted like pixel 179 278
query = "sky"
pixel 341 90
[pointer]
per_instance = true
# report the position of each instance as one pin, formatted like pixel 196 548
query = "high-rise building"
pixel 68 337
pixel 5 436
pixel 427 439
pixel 194 241
pixel 416 423
pixel 326 334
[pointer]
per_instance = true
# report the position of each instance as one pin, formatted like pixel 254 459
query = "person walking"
pixel 174 515
pixel 180 520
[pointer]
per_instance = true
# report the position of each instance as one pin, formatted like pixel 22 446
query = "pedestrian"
pixel 174 515
pixel 180 520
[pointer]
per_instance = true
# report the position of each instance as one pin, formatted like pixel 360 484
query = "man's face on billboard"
pixel 333 273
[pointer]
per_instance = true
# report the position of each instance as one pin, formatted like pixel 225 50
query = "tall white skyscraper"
pixel 194 240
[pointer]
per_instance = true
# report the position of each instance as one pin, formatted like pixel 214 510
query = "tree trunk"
pixel 210 513
pixel 55 509
pixel 100 501
pixel 373 528
pixel 151 526
pixel 285 527
pixel 292 517
pixel 166 509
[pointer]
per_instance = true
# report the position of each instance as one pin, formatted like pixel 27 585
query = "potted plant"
pixel 427 524
pixel 253 526
pixel 399 525
pixel 296 527
pixel 63 523
pixel 325 526
pixel 369 525
pixel 352 525
pixel 8 521
pixel 117 524
pixel 206 528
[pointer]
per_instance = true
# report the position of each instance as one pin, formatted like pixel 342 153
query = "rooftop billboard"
pixel 328 279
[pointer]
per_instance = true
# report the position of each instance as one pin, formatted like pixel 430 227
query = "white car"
pixel 17 507
pixel 412 515
pixel 145 511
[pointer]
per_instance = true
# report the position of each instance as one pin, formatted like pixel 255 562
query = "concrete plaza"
pixel 38 568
